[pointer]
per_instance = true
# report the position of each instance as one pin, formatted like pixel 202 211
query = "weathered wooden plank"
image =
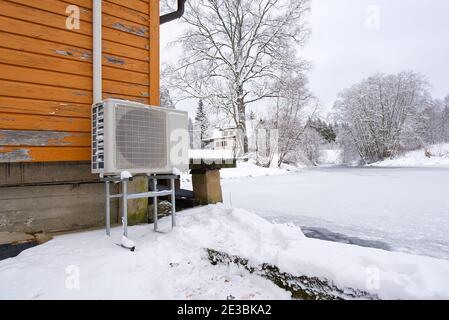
pixel 55 16
pixel 14 174
pixel 115 10
pixel 50 93
pixel 69 38
pixel 70 60
pixel 109 8
pixel 132 4
pixel 42 92
pixel 44 138
pixel 44 154
pixel 31 75
pixel 12 121
pixel 118 96
pixel 42 107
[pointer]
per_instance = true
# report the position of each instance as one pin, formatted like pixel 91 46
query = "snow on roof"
pixel 220 134
pixel 210 154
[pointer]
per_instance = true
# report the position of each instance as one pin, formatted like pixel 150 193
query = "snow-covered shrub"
pixel 376 112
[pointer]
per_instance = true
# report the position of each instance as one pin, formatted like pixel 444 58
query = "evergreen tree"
pixel 201 121
pixel 252 115
pixel 190 133
pixel 165 99
pixel 324 129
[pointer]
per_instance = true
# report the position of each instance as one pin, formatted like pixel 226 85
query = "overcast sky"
pixel 352 39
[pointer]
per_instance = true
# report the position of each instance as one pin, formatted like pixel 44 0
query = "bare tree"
pixel 379 113
pixel 445 120
pixel 280 134
pixel 294 105
pixel 233 52
pixel 311 142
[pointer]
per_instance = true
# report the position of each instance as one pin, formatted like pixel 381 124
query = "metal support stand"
pixel 155 193
pixel 108 209
pixel 125 207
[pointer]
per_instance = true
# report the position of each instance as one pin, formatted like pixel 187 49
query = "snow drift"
pixel 175 265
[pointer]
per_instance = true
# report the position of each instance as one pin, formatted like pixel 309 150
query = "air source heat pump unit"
pixel 133 137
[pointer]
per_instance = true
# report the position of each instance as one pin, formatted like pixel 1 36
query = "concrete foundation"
pixel 206 186
pixel 55 197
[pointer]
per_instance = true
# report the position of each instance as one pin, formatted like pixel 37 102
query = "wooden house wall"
pixel 46 73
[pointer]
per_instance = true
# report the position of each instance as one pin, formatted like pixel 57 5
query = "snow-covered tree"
pixel 201 122
pixel 428 126
pixel 233 51
pixel 311 141
pixel 324 129
pixel 252 115
pixel 294 105
pixel 191 133
pixel 166 100
pixel 380 113
pixel 445 120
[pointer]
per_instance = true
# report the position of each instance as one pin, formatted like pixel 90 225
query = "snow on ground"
pixel 174 265
pixel 405 208
pixel 250 169
pixel 330 157
pixel 438 155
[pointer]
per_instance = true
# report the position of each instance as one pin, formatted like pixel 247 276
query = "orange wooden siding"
pixel 46 72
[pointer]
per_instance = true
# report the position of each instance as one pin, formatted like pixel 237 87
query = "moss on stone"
pixel 138 208
pixel 301 287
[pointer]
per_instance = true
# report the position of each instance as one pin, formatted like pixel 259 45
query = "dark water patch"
pixel 13 250
pixel 325 234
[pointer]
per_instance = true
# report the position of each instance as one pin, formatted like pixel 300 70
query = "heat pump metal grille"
pixel 140 138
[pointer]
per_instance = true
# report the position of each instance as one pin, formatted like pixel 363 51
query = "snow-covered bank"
pixel 175 265
pixel 434 156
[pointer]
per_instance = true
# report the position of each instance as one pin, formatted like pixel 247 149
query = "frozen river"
pixel 401 209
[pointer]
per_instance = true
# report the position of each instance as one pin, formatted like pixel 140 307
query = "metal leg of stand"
pixel 108 209
pixel 173 202
pixel 125 207
pixel 154 181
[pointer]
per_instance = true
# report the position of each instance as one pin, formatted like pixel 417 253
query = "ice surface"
pixel 406 208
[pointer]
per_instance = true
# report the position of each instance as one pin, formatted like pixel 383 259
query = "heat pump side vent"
pixel 98 137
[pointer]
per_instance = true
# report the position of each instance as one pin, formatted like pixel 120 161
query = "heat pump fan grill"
pixel 140 138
